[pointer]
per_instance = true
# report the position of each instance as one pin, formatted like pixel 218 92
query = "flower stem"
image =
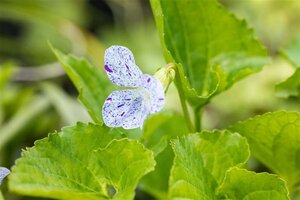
pixel 183 101
pixel 198 112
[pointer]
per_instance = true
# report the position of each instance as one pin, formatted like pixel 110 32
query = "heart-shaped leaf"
pixel 212 48
pixel 201 161
pixel 274 139
pixel 246 185
pixel 82 162
pixel 92 84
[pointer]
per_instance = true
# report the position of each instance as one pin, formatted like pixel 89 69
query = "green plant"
pixel 172 157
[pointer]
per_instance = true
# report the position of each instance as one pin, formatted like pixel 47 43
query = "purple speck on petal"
pixel 107 68
pixel 127 66
pixel 127 99
pixel 121 105
pixel 161 99
pixel 122 114
pixel 109 99
pixel 148 80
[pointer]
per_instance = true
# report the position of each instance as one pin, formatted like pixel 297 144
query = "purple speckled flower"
pixel 3 173
pixel 129 108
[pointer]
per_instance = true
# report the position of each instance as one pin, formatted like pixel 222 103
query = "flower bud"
pixel 166 75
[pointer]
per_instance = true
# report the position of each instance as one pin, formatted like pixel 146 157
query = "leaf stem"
pixel 183 101
pixel 198 118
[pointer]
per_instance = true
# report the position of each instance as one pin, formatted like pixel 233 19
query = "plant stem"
pixel 182 101
pixel 198 118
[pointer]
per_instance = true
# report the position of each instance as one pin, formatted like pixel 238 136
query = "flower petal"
pixel 121 68
pixel 156 90
pixel 126 108
pixel 3 173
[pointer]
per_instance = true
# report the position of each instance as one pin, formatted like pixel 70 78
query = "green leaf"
pixel 246 185
pixel 6 72
pixel 156 182
pixel 22 117
pixel 67 107
pixel 82 162
pixel 158 130
pixel 289 87
pixel 201 161
pixel 292 52
pixel 92 84
pixel 211 54
pixel 274 139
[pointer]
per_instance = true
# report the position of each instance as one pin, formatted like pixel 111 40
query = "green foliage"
pixel 291 53
pixel 92 84
pixel 160 128
pixel 291 86
pixel 82 162
pixel 158 131
pixel 203 160
pixel 212 50
pixel 246 185
pixel 23 116
pixel 211 54
pixel 274 139
pixel 6 71
pixel 68 108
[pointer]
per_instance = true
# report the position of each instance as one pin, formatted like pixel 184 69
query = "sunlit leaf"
pixel 212 54
pixel 160 128
pixel 201 161
pixel 246 185
pixel 82 162
pixel 274 139
pixel 291 86
pixel 93 85
pixel 158 131
pixel 292 52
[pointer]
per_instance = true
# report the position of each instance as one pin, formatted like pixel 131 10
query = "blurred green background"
pixel 36 97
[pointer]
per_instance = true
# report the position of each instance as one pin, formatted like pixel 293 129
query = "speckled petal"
pixel 156 90
pixel 120 67
pixel 126 108
pixel 3 173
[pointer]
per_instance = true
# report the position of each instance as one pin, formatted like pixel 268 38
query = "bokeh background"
pixel 36 97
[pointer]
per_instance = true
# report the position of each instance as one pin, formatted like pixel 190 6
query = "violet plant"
pixel 134 146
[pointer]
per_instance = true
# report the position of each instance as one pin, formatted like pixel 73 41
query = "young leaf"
pixel 156 182
pixel 274 139
pixel 160 128
pixel 292 52
pixel 201 161
pixel 82 162
pixel 211 54
pixel 93 85
pixel 158 131
pixel 246 185
pixel 289 87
